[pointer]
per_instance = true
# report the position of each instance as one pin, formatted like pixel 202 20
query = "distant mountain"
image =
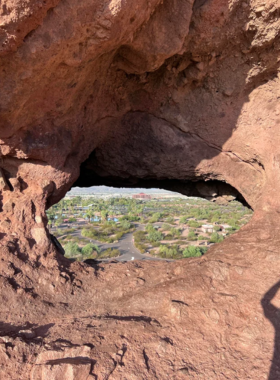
pixel 112 190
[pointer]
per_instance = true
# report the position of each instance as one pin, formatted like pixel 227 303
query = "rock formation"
pixel 180 94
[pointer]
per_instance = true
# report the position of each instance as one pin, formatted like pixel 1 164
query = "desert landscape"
pixel 142 226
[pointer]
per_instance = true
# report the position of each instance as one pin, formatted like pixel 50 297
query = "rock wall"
pixel 181 93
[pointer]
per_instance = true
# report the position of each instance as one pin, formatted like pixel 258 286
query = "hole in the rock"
pixel 102 223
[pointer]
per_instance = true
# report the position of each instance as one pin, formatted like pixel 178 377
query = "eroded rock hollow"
pixel 180 94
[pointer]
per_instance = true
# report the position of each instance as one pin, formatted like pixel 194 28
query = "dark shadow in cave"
pixel 212 190
pixel 272 313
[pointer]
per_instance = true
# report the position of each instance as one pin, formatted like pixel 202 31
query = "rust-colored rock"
pixel 179 94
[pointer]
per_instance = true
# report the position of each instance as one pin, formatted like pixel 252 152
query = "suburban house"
pixel 225 227
pixel 207 228
pixel 141 196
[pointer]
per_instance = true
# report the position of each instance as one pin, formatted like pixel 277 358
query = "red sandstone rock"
pixel 178 94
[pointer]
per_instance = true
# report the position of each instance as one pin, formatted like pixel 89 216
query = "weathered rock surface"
pixel 181 94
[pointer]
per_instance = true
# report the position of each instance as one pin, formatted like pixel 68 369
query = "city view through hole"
pixel 103 223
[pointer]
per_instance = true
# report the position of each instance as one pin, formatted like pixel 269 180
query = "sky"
pixel 108 190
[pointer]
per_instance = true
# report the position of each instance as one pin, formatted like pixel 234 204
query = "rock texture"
pixel 180 94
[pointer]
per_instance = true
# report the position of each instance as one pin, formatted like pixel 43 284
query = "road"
pixel 125 245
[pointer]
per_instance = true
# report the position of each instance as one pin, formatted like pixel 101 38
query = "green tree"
pixel 192 251
pixel 51 218
pixel 89 215
pixel 88 249
pixel 166 227
pixel 170 219
pixel 183 220
pixel 194 224
pixel 140 210
pixel 154 236
pixel 72 249
pixel 139 236
pixel 233 222
pixel 200 237
pixel 175 232
pixel 150 227
pixel 155 217
pixel 170 251
pixel 192 236
pixel 125 224
pixel 104 215
pixel 77 200
pixel 90 233
pixel 216 238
